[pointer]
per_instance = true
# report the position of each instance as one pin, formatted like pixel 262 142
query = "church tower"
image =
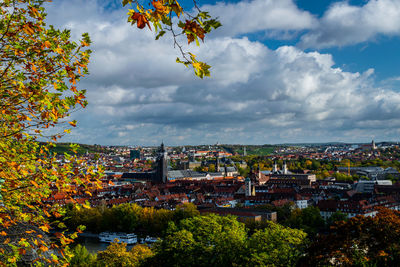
pixel 162 165
pixel 247 182
pixel 285 170
pixel 275 168
pixel 217 163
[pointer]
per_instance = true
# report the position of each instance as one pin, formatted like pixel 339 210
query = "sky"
pixel 283 71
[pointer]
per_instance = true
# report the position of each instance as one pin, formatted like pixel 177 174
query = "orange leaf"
pixel 47 44
pixel 34 183
pixel 141 20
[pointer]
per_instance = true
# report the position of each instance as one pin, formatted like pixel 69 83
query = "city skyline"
pixel 328 72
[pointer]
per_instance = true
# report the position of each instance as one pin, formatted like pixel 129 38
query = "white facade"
pixel 301 204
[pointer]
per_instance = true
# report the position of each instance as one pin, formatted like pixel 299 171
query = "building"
pixel 134 154
pixel 159 175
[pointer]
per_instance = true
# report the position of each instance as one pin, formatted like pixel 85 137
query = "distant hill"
pixel 62 148
pixel 261 150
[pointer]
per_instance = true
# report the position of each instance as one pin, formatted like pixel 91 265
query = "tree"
pixel 186 210
pixel 209 240
pixel 360 241
pixel 39 70
pixel 82 258
pixel 214 240
pixel 276 245
pixel 308 219
pixel 117 255
pixel 193 25
pixel 211 167
pixel 140 254
pixel 336 217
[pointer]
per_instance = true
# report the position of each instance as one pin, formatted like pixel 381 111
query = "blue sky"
pixel 282 71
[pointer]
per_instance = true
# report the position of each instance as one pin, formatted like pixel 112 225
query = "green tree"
pixel 115 255
pixel 211 168
pixel 126 217
pixel 209 240
pixel 308 219
pixel 81 257
pixel 336 217
pixel 186 210
pixel 276 245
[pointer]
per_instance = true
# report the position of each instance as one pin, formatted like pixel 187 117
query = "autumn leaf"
pixel 160 8
pixel 177 8
pixel 140 20
pixel 34 183
pixel 44 228
pixel 47 44
pixel 193 30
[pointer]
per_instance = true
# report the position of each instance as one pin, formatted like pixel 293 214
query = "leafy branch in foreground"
pixel 39 70
pixel 169 16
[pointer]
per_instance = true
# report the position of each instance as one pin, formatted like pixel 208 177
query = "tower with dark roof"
pixel 217 163
pixel 162 165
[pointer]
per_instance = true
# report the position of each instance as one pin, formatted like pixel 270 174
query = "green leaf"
pixel 160 34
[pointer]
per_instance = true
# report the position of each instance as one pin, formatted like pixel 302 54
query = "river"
pixel 93 245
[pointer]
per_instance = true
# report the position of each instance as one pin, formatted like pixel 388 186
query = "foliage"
pixel 129 218
pixel 213 240
pixel 276 245
pixel 39 70
pixel 202 241
pixel 81 257
pixel 61 148
pixel 360 241
pixel 308 219
pixel 169 16
pixel 336 217
pixel 116 255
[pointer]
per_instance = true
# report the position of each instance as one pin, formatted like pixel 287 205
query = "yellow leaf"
pixel 44 228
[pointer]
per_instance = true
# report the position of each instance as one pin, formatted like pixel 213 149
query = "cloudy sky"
pixel 282 71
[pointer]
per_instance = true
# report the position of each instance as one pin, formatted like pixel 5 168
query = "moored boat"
pixel 109 237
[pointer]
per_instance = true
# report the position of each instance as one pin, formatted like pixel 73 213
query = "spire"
pixel 162 150
pixel 275 168
pixel 373 145
pixel 285 171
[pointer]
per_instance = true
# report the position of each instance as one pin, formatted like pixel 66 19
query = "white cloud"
pixel 260 15
pixel 138 94
pixel 344 24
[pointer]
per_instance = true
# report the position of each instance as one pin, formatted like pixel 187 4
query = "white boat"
pixel 109 237
pixel 150 239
